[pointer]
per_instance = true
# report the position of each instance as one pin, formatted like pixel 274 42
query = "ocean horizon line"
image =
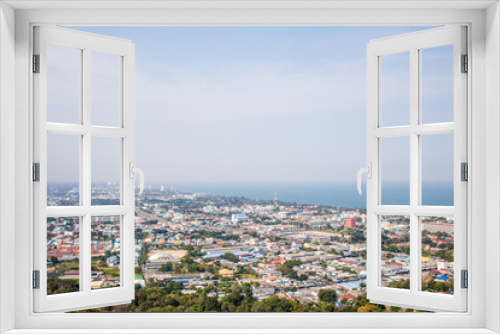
pixel 334 194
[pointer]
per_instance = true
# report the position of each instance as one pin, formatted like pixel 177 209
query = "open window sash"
pixel 414 43
pixel 122 289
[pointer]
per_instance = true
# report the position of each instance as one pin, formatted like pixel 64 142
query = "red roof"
pixel 438 240
pixel 348 297
pixel 397 264
pixel 245 254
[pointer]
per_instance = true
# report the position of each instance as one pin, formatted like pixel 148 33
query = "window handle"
pixel 368 171
pixel 133 170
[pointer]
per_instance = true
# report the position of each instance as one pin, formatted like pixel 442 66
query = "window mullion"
pixel 414 168
pixel 85 165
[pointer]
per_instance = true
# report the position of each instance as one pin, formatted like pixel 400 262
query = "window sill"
pixel 249 331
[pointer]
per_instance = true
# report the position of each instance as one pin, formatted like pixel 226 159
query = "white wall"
pixel 7 160
pixel 492 166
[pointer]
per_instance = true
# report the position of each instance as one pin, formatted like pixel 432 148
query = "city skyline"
pixel 208 253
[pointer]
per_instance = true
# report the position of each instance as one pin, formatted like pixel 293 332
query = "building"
pixel 226 273
pixel 139 279
pixel 350 223
pixel 157 260
pixel 442 264
pixel 239 217
pixel 437 227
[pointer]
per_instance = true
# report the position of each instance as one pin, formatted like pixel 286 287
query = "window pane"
pixel 106 89
pixel 395 89
pixel 395 167
pixel 63 84
pixel 437 254
pixel 105 252
pixel 63 170
pixel 395 250
pixel 106 170
pixel 437 84
pixel 63 255
pixel 437 169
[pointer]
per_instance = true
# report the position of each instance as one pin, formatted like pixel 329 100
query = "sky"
pixel 254 104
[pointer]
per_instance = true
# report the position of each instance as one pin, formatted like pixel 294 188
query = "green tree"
pixel 302 277
pixel 327 295
pixel 193 268
pixel 230 257
pixel 143 255
pixel 166 267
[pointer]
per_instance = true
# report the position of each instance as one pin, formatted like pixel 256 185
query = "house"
pixel 226 273
pixel 112 261
pixel 139 279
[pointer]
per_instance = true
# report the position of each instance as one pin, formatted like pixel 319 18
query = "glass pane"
pixel 63 170
pixel 437 84
pixel 106 89
pixel 105 252
pixel 395 251
pixel 106 170
pixel 395 170
pixel 437 169
pixel 395 89
pixel 63 84
pixel 63 255
pixel 437 254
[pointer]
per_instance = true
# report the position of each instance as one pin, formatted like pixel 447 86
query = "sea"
pixel 335 194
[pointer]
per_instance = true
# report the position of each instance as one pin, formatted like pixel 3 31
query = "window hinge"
pixel 36 63
pixel 36 279
pixel 36 172
pixel 465 64
pixel 465 279
pixel 464 171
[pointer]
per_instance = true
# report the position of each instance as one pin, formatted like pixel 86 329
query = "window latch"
pixel 132 171
pixel 368 171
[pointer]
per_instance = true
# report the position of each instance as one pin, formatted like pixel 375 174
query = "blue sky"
pixel 261 104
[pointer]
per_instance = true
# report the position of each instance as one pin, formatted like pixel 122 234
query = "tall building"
pixel 350 222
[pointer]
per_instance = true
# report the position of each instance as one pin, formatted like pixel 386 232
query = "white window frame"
pixel 414 43
pixel 87 43
pixel 484 147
